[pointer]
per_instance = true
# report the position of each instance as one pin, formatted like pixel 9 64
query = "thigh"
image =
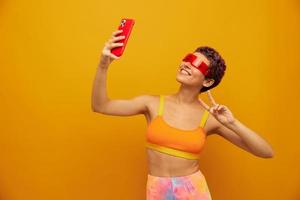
pixel 159 188
pixel 192 187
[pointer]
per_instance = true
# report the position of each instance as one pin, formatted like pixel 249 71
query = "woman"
pixel 172 153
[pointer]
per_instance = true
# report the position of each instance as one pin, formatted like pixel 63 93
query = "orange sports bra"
pixel 177 142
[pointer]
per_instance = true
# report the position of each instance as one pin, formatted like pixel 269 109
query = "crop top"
pixel 173 141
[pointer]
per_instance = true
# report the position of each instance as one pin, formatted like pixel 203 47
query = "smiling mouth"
pixel 187 72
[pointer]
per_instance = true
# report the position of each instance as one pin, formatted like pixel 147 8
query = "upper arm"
pixel 126 107
pixel 230 135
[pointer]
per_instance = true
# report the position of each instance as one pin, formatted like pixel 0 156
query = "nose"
pixel 186 65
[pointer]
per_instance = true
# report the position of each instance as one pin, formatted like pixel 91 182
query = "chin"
pixel 182 77
pixel 182 80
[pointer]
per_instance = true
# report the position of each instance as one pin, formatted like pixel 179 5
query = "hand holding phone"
pixel 107 56
pixel 126 26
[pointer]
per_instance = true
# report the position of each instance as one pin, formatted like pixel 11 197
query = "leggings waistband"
pixel 198 172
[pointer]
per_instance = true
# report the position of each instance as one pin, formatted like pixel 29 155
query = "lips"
pixel 182 69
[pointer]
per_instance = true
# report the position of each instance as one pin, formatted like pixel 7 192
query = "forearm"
pixel 255 142
pixel 99 91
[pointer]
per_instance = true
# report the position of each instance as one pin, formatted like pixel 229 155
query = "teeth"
pixel 184 72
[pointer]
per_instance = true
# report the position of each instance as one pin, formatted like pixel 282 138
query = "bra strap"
pixel 204 118
pixel 161 105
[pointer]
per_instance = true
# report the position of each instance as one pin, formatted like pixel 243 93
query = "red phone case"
pixel 126 25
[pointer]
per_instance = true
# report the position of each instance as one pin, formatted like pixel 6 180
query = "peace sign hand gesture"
pixel 220 112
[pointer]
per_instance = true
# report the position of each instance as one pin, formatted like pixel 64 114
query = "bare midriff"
pixel 165 165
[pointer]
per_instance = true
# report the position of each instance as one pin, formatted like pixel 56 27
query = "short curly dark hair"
pixel 217 66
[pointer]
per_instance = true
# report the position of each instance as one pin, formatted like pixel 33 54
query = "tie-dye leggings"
pixel 190 187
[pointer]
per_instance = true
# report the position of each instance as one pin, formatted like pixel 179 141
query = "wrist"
pixel 102 67
pixel 103 64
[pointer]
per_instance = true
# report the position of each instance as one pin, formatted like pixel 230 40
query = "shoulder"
pixel 149 99
pixel 146 99
pixel 153 101
pixel 153 98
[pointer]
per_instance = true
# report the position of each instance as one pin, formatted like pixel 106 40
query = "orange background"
pixel 52 146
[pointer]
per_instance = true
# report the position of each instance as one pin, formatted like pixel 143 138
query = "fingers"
pixel 218 108
pixel 214 108
pixel 204 104
pixel 115 39
pixel 112 43
pixel 110 46
pixel 211 98
pixel 222 108
pixel 114 56
pixel 116 32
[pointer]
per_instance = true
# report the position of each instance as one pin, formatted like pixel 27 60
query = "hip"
pixel 192 186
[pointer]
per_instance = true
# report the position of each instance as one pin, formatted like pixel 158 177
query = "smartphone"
pixel 126 25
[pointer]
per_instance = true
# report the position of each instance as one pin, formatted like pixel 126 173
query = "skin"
pixel 182 110
pixel 179 108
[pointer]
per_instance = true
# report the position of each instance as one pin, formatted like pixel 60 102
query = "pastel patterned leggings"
pixel 190 187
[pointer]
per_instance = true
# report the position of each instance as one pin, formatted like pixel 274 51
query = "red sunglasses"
pixel 200 65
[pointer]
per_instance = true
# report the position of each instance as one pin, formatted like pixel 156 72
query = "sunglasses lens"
pixel 188 58
pixel 200 65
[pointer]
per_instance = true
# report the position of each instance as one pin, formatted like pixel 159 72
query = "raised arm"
pixel 101 103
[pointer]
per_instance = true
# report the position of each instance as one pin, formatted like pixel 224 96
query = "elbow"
pixel 264 152
pixel 267 154
pixel 93 109
pixel 96 109
pixel 271 154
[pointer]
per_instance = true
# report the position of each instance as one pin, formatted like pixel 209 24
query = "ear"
pixel 208 82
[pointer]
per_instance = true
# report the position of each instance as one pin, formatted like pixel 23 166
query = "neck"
pixel 187 95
